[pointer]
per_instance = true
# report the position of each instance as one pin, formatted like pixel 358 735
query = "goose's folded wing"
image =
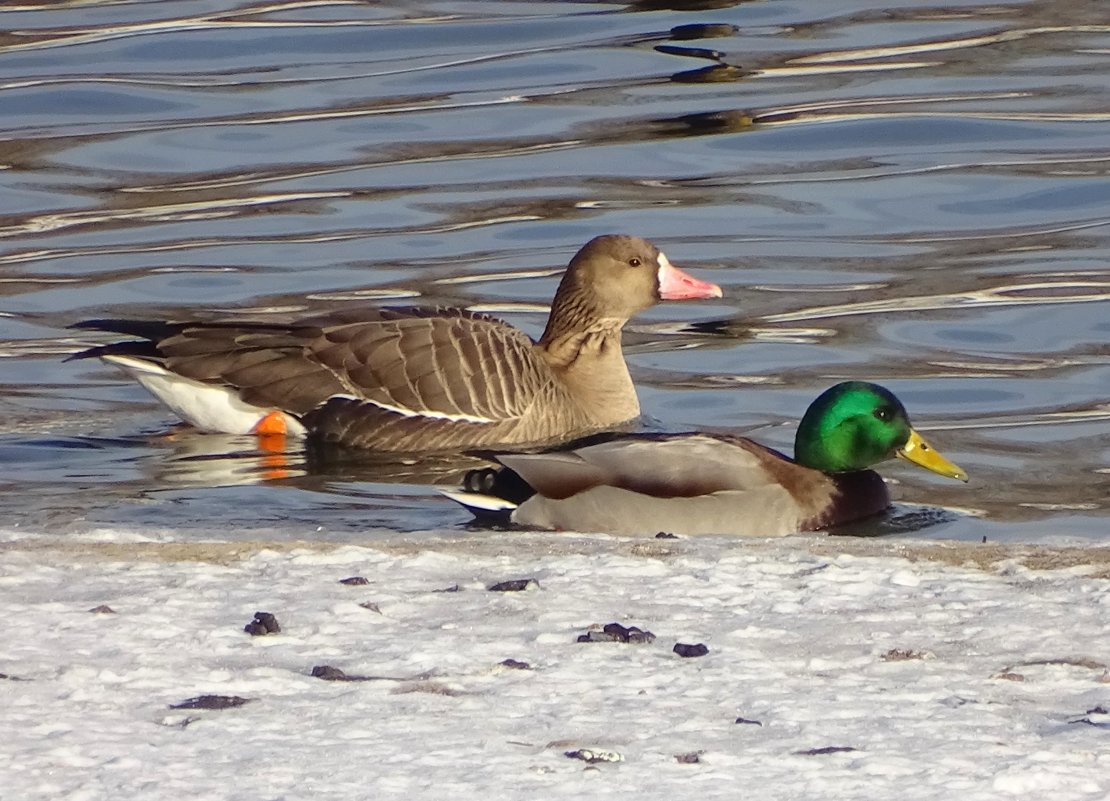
pixel 445 365
pixel 269 366
pixel 463 369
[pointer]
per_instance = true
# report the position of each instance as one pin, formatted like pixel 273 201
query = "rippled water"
pixel 910 193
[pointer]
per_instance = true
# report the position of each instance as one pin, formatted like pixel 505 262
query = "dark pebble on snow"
pixel 615 632
pixel 904 654
pixel 329 673
pixel 749 721
pixel 828 749
pixel 514 585
pixel 103 609
pixel 1100 712
pixel 666 535
pixel 212 702
pixel 355 581
pixel 263 623
pixel 690 758
pixel 687 650
pixel 593 756
pixel 514 664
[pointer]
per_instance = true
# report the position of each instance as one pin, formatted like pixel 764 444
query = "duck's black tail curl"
pixel 500 482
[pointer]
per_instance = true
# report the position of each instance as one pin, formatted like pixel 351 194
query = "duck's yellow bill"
pixel 921 453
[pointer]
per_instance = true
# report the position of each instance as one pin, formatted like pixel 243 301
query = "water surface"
pixel 908 193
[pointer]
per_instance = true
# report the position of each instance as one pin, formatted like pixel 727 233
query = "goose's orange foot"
pixel 271 431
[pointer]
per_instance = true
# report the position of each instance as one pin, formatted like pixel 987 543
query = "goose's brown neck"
pixel 574 312
pixel 582 346
pixel 602 340
pixel 577 328
pixel 590 364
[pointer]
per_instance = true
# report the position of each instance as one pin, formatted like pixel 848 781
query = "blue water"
pixel 900 192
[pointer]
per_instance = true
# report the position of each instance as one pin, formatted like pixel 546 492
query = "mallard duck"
pixel 713 483
pixel 414 380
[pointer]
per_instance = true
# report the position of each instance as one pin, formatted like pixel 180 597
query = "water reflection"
pixel 1039 294
pixel 192 459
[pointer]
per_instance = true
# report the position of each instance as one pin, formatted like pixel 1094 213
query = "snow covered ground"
pixel 836 669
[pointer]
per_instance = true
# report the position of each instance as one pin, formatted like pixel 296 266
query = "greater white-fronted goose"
pixel 713 484
pixel 413 380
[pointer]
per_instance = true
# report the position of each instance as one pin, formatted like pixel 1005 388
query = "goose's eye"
pixel 884 413
pixel 635 262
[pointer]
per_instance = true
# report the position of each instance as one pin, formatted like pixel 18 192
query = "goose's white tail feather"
pixel 208 407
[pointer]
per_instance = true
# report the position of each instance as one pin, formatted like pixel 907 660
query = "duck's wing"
pixel 690 484
pixel 659 465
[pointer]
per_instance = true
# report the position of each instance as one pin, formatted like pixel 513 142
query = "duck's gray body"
pixel 681 484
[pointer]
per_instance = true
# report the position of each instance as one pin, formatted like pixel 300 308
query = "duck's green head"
pixel 855 425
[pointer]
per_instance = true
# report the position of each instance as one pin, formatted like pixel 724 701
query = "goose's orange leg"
pixel 271 431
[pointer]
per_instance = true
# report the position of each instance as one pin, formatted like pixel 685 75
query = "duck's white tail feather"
pixel 477 502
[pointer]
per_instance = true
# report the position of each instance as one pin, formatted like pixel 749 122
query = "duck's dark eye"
pixel 635 262
pixel 884 413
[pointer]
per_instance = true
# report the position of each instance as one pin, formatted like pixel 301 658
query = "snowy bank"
pixel 836 668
